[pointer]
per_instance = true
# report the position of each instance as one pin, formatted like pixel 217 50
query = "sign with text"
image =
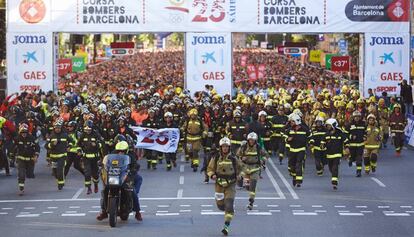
pixel 315 56
pixel 64 66
pixel 78 64
pixel 340 63
pixel 163 140
pixel 328 62
pixel 30 62
pixel 208 62
pixel 387 62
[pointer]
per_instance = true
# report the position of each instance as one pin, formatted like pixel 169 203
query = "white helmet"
pixel 298 112
pixel 287 106
pixel 319 118
pixel 332 122
pixel 168 114
pixel 268 103
pixel 294 117
pixel 225 141
pixel 252 136
pixel 262 113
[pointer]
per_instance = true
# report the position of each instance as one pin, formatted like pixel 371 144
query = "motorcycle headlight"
pixel 113 180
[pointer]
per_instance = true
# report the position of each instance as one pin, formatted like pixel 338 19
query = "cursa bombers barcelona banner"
pixel 208 62
pixel 285 16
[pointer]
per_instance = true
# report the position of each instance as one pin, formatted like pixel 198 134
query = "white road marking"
pixel 206 205
pixel 98 206
pixel 366 211
pixel 361 207
pixel 381 184
pixel 144 206
pixel 74 207
pixel 388 212
pixel 343 211
pixel 52 207
pixel 295 206
pixel 298 210
pixel 28 215
pixel 259 213
pixel 180 193
pixel 24 213
pixel 274 211
pixel 29 208
pixel 305 213
pixel 183 158
pixel 275 185
pixel 4 213
pixel 408 207
pixel 93 211
pixel 162 211
pixel 351 214
pixel 181 168
pixel 163 206
pixel 181 180
pixel 317 206
pixel 47 212
pixel 185 205
pixel 167 214
pixel 397 214
pixel 339 206
pixel 285 182
pixel 7 208
pixel 320 211
pixel 409 211
pixel 77 194
pixel 185 211
pixel 206 210
pixel 212 213
pixel 383 207
pixel 272 205
pixel 73 214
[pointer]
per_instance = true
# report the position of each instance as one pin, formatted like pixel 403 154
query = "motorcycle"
pixel 118 188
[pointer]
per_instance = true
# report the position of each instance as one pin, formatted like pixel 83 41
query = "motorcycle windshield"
pixel 117 161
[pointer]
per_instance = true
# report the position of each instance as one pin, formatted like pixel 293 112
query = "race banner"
pixel 243 61
pixel 208 62
pixel 261 71
pixel 387 58
pixel 315 56
pixel 251 71
pixel 163 140
pixel 78 64
pixel 285 16
pixel 30 62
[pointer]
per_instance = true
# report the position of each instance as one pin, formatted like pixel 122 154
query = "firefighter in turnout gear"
pixel 372 144
pixel 151 155
pixel 252 156
pixel 317 145
pixel 267 127
pixel 75 152
pixel 225 169
pixel 335 141
pixel 297 137
pixel 397 125
pixel 356 132
pixel 236 130
pixel 384 116
pixel 91 145
pixel 171 158
pixel 279 122
pixel 193 132
pixel 58 145
pixel 26 150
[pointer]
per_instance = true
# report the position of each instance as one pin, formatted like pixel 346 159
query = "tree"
pixel 147 38
pixel 177 39
pixel 2 29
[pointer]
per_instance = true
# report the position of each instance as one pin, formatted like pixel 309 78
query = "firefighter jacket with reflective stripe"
pixel 357 134
pixel 226 168
pixel 317 138
pixel 335 143
pixel 278 125
pixel 300 137
pixel 58 144
pixel 90 144
pixel 397 122
pixel 236 131
pixel 373 137
pixel 25 147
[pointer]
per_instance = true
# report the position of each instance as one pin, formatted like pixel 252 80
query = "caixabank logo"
pixel 378 11
pixel 32 11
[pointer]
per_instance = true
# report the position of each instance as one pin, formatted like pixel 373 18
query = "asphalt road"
pixel 178 203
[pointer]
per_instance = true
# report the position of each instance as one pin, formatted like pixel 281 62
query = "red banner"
pixel 251 71
pixel 243 61
pixel 64 66
pixel 340 63
pixel 261 71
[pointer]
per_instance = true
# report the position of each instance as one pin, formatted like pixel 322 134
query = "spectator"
pixel 407 97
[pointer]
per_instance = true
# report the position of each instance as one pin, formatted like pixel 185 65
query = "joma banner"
pixel 163 140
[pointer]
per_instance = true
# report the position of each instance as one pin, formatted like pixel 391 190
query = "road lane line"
pixel 70 212
pixel 317 206
pixel 181 168
pixel 383 207
pixel 259 213
pixel 74 207
pixel 295 206
pixel 361 207
pixel 272 205
pixel 29 208
pixel 77 194
pixel 381 184
pixel 351 214
pixel 4 213
pixel 285 182
pixel 167 214
pixel 206 210
pixel 47 212
pixel 181 211
pixel 275 185
pixel 397 214
pixel 164 206
pixel 408 207
pixel 339 206
pixel 64 225
pixel 185 205
pixel 321 211
pixel 94 211
pixel 73 214
pixel 274 211
pixel 7 208
pixel 52 207
pixel 305 213
pixel 28 215
pixel 181 180
pixel 212 213
pixel 180 193
pixel 162 211
pixel 206 205
pixel 366 211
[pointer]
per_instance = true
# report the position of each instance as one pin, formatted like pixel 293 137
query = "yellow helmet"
pixel 341 103
pixel 337 97
pixel 245 101
pixel 296 104
pixel 322 115
pixel 344 89
pixel 360 101
pixel 317 106
pixel 326 103
pixel 381 101
pixel 193 112
pixel 336 104
pixel 178 90
pixel 122 146
pixel 372 99
pixel 350 106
